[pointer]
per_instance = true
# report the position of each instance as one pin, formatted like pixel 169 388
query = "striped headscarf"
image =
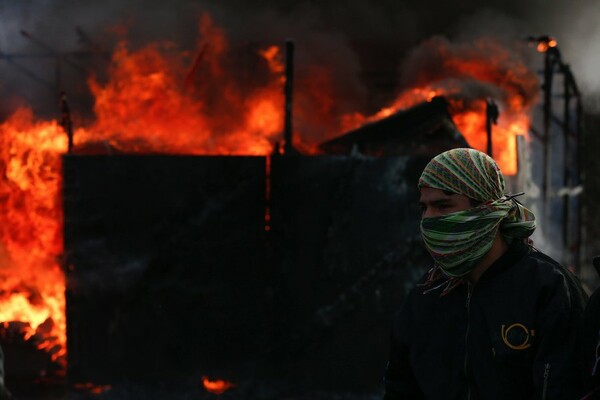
pixel 458 241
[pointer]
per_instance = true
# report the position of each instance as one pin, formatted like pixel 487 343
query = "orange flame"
pixel 515 85
pixel 30 228
pixel 216 387
pixel 144 107
pixel 272 56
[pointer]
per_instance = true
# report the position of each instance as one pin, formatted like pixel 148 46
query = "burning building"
pixel 177 245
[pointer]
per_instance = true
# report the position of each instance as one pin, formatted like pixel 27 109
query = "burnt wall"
pixel 350 248
pixel 171 274
pixel 163 255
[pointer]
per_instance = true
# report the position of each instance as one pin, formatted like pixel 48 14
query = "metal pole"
pixel 579 178
pixel 491 114
pixel 289 85
pixel 566 156
pixel 66 121
pixel 547 88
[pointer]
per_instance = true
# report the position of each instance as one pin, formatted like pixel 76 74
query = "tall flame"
pixel 30 229
pixel 161 100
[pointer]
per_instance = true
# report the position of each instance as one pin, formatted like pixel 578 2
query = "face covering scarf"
pixel 458 241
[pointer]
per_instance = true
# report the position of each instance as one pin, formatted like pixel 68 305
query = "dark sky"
pixel 365 41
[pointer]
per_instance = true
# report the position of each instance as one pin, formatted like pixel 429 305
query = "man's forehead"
pixel 430 194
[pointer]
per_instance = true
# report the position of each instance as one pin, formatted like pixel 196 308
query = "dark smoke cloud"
pixel 364 42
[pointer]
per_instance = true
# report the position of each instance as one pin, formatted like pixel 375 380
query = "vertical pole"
pixel 66 121
pixel 488 131
pixel 547 87
pixel 566 223
pixel 579 179
pixel 289 82
pixel 491 117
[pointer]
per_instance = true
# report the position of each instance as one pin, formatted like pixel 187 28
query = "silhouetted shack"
pixel 277 272
pixel 425 129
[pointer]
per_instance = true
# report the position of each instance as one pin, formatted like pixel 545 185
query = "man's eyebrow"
pixel 436 202
pixel 441 201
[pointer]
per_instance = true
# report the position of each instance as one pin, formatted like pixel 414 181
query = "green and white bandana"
pixel 457 241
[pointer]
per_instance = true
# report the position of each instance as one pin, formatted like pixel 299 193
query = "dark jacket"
pixel 511 336
pixel 591 346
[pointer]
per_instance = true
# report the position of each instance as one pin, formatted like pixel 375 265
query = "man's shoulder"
pixel 541 269
pixel 538 262
pixel 542 257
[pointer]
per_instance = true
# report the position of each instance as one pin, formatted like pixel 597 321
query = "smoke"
pixel 580 44
pixel 502 71
pixel 363 42
pixel 34 73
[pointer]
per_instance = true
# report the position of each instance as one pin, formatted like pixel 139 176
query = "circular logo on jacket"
pixel 517 336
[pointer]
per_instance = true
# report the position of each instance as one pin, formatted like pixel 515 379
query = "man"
pixel 494 318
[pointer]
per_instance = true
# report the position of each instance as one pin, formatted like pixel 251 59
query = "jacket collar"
pixel 515 252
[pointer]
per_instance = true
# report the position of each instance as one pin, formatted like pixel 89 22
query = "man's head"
pixel 460 179
pixel 464 208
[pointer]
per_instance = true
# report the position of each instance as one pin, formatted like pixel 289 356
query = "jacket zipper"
pixel 546 374
pixel 468 306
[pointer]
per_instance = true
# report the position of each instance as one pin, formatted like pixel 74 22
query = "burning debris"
pixel 92 388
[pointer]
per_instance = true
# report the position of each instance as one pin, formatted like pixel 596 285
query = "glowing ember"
pixel 544 45
pixel 217 386
pixel 92 388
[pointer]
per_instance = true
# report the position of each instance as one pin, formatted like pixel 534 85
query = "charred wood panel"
pixel 349 241
pixel 165 265
pixel 171 274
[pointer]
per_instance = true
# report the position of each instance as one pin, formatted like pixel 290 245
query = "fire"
pixel 158 99
pixel 144 107
pixel 216 387
pixel 466 75
pixel 30 229
pixel 273 56
pixel 147 105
